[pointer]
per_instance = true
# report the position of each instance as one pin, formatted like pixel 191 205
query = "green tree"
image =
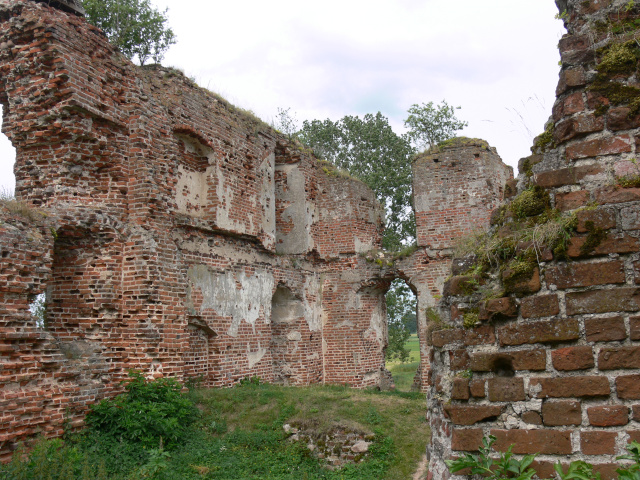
pixel 134 26
pixel 370 150
pixel 401 314
pixel 431 124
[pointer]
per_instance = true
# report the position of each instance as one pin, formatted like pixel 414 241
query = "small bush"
pixel 150 413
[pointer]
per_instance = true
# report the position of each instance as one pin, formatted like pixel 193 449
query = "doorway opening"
pixel 402 355
pixel 7 160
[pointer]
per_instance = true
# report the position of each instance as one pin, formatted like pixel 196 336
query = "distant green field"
pixel 403 373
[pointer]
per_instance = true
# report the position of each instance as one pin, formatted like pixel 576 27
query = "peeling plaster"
pixel 220 293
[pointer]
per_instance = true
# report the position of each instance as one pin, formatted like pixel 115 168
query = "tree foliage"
pixel 134 26
pixel 401 314
pixel 431 124
pixel 370 150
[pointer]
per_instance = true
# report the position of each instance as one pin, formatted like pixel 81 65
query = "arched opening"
pixel 402 355
pixel 8 156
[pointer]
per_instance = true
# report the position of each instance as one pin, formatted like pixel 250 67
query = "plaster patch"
pixel 220 293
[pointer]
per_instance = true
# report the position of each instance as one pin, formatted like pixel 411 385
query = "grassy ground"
pixel 239 436
pixel 403 373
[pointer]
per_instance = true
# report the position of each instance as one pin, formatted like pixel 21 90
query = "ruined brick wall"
pixel 552 364
pixel 181 236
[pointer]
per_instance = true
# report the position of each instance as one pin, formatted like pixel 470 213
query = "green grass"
pixel 239 435
pixel 403 373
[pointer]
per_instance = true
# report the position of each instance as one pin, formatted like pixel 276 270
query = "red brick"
pixel 578 125
pixel 477 388
pixel 567 106
pixel 459 359
pixel 628 387
pixel 506 389
pixel 635 413
pixel 521 360
pixel 498 307
pixel 567 387
pixel 573 275
pixel 551 331
pixel 544 469
pixel 459 285
pixel 573 358
pixel 460 389
pixel 611 194
pixel 621 243
pixel 482 335
pixel 466 440
pixel 599 147
pixel 634 328
pixel 598 443
pixel 615 358
pixel 607 471
pixel 603 301
pixel 569 78
pixel 553 442
pixel 634 436
pixel 636 272
pixel 440 338
pixel 540 306
pixel 572 200
pixel 568 412
pixel 608 415
pixel 532 418
pixel 601 218
pixel 605 329
pixel 470 414
pixel 565 176
pixel 620 118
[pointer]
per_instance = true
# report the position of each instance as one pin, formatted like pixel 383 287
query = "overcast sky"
pixel 497 59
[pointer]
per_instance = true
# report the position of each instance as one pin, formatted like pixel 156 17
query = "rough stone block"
pixel 628 387
pixel 605 329
pixel 614 194
pixel 557 413
pixel 608 415
pixel 615 358
pixel 460 389
pixel 522 360
pixel 599 147
pixel 440 338
pixel 634 328
pixel 621 243
pixel 532 418
pixel 477 388
pixel 466 439
pixel 550 331
pixel 567 387
pixel 483 335
pixel 540 306
pixel 603 301
pixel 506 389
pixel 598 443
pixel 470 414
pixel 572 200
pixel 566 176
pixel 573 358
pixel 573 275
pixel 601 218
pixel 552 442
pixel 459 359
pixel 497 307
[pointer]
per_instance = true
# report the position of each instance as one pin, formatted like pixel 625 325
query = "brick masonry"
pixel 558 376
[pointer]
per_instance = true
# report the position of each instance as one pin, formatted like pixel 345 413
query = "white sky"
pixel 497 59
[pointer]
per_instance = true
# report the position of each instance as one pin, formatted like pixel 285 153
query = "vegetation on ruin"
pixel 505 465
pixel 630 180
pixel 430 125
pixel 509 253
pixel 545 139
pixel 135 27
pixel 233 433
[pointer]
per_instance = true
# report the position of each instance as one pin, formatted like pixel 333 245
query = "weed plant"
pixel 238 435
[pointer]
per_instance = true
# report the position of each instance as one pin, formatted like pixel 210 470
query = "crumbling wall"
pixel 549 359
pixel 179 235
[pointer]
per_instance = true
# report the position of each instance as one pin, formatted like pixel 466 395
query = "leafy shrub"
pixel 506 466
pixel 150 413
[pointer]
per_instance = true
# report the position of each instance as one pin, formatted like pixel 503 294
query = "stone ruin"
pixel 176 234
